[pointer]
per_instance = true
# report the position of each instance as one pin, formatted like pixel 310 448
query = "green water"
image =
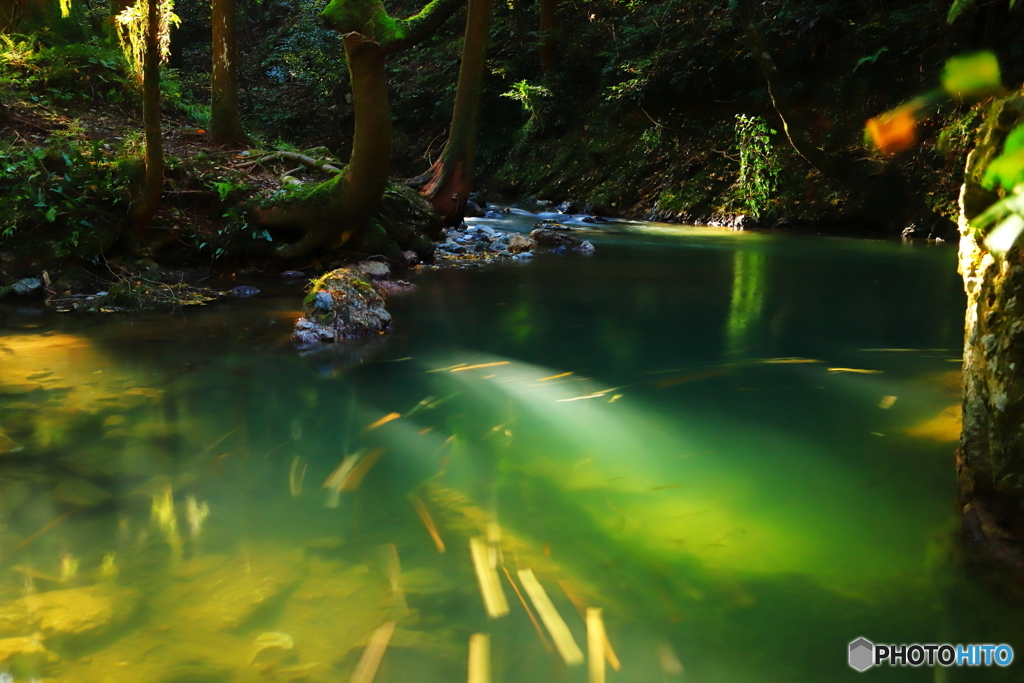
pixel 671 430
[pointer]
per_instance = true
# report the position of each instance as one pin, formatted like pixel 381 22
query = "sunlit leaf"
pixel 1002 239
pixel 971 76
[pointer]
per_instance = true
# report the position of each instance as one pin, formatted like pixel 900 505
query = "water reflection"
pixel 188 500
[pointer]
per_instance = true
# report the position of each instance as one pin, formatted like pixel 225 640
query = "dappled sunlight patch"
pixel 944 427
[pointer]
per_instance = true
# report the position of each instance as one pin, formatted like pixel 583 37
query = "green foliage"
pixel 1008 168
pixel 132 25
pixel 52 74
pixel 759 164
pixel 66 188
pixel 532 97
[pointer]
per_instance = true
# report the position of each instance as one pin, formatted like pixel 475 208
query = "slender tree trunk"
pixel 148 201
pixel 549 23
pixel 990 460
pixel 452 174
pixel 225 123
pixel 777 91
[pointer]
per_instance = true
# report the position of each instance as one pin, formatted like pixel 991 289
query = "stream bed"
pixel 738 446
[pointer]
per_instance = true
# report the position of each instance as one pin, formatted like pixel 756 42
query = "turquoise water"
pixel 737 445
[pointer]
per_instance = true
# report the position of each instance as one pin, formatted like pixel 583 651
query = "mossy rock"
pixel 343 304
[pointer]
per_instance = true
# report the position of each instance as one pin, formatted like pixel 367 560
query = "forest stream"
pixel 737 446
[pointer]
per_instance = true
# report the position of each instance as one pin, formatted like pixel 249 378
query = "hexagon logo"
pixel 862 654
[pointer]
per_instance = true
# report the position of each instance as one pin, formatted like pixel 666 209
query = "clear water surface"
pixel 737 445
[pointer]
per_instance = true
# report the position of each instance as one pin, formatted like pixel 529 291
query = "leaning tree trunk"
pixel 990 460
pixel 451 177
pixel 780 100
pixel 225 123
pixel 333 211
pixel 148 201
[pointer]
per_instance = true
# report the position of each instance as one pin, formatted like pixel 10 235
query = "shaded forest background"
pixel 626 108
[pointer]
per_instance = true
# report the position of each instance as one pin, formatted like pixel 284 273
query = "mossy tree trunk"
pixel 341 209
pixel 990 460
pixel 333 211
pixel 791 124
pixel 225 123
pixel 451 177
pixel 147 202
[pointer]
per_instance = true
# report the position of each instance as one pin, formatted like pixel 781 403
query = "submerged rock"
pixel 30 286
pixel 88 611
pixel 244 291
pixel 377 270
pixel 229 597
pixel 24 656
pixel 555 238
pixel 344 304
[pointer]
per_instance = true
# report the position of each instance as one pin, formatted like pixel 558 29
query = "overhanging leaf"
pixel 972 76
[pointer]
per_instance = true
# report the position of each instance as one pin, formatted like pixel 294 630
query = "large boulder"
pixel 344 304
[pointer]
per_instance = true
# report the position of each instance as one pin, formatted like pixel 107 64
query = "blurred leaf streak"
pixel 295 477
pixel 557 628
pixel 481 365
pixel 529 612
pixel 445 369
pixel 857 371
pixel 366 669
pixel 545 379
pixel 361 468
pixel 595 646
pixel 581 398
pixel 487 577
pixel 214 444
pixel 479 658
pixel 428 521
pixel 381 422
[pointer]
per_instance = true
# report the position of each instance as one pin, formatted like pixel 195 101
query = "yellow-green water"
pixel 678 430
